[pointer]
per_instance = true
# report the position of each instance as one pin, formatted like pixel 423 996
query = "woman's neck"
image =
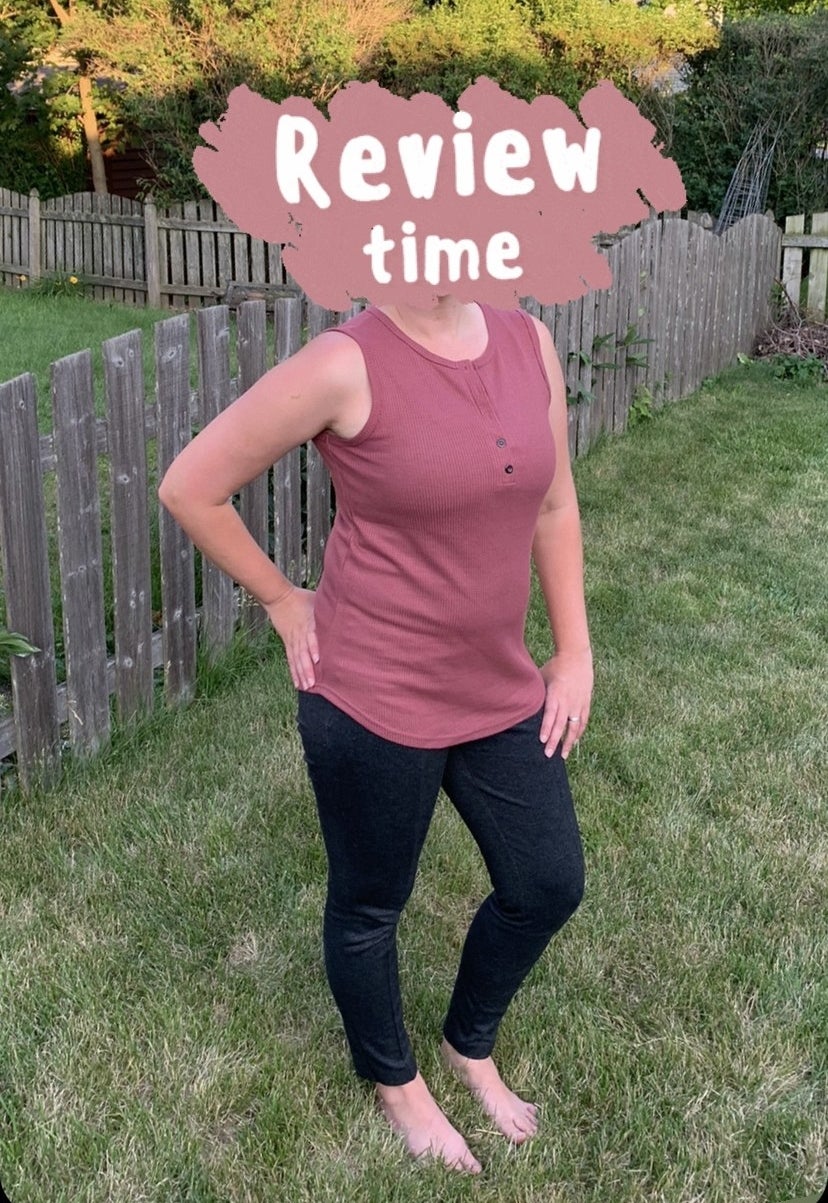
pixel 448 318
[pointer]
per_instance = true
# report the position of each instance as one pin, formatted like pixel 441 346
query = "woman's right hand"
pixel 293 619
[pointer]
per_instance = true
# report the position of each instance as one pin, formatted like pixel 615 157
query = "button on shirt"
pixel 421 608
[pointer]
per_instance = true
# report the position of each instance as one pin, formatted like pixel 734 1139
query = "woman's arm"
pixel 558 555
pixel 289 405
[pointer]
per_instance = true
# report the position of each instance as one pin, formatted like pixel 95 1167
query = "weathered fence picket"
pixel 80 552
pixel 218 615
pixel 176 552
pixel 818 273
pixel 253 503
pixel 807 289
pixel 131 567
pixel 700 299
pixel 318 480
pixel 604 352
pixel 287 480
pixel 27 588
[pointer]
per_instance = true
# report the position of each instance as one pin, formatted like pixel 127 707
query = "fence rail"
pixel 683 304
pixel 805 262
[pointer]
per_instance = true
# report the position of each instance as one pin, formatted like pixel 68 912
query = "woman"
pixel 445 432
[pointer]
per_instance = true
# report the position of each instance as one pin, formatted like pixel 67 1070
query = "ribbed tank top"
pixel 421 608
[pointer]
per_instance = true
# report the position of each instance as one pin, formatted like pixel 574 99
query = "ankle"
pixel 406 1090
pixel 452 1054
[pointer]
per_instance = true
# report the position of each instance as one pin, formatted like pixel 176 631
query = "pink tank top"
pixel 421 607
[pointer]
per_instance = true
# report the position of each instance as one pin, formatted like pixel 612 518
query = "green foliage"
pixel 760 8
pixel 59 284
pixel 163 67
pixel 630 338
pixel 40 142
pixel 580 394
pixel 633 45
pixel 40 62
pixel 772 67
pixel 802 369
pixel 445 48
pixel 12 644
pixel 641 409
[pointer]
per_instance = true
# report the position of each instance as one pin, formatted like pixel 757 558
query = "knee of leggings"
pixel 361 921
pixel 548 901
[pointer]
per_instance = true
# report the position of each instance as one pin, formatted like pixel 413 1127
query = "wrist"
pixel 275 601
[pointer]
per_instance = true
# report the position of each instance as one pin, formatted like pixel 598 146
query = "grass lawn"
pixel 35 330
pixel 167 1030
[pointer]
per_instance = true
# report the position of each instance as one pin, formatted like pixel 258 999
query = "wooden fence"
pixel 683 303
pixel 805 262
pixel 180 257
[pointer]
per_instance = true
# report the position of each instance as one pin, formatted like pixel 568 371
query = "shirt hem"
pixel 401 737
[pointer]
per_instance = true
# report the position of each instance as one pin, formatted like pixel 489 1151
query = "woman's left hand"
pixel 568 677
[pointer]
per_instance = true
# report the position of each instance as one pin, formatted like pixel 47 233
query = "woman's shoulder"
pixel 337 359
pixel 518 324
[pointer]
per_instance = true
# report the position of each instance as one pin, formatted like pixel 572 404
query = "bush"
pixel 802 369
pixel 775 68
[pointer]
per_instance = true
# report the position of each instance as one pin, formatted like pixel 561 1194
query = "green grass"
pixel 167 1031
pixel 35 330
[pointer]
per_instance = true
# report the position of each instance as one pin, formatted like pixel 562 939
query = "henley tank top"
pixel 421 607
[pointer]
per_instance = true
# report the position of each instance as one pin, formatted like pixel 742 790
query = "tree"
pixel 637 46
pixel 444 47
pixel 151 71
pixel 176 61
pixel 67 17
pixel 773 67
pixel 52 76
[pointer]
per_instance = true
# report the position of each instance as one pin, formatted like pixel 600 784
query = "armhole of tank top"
pixel 329 435
pixel 536 348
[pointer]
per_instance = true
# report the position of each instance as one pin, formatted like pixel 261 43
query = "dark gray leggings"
pixel 375 800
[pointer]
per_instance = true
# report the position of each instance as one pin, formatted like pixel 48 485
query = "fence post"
pixel 151 265
pixel 34 235
pixel 817 302
pixel 792 258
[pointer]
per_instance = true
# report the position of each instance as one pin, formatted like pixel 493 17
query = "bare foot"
pixel 515 1118
pixel 413 1112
